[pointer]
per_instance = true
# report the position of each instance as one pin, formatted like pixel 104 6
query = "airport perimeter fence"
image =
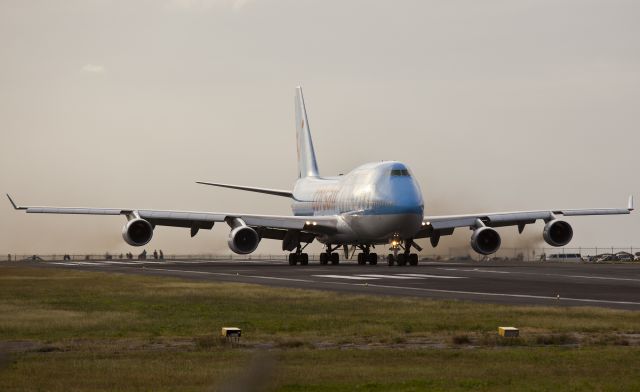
pixel 148 257
pixel 611 253
pixel 627 253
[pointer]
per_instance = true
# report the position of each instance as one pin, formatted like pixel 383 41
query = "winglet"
pixel 15 207
pixel 630 206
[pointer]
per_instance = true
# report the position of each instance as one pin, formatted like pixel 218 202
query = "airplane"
pixel 377 203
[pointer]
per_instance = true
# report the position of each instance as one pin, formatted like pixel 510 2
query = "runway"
pixel 553 284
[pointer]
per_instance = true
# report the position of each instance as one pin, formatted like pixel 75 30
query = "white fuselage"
pixel 376 202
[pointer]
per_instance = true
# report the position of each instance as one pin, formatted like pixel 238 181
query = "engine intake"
pixel 243 240
pixel 485 240
pixel 137 232
pixel 557 233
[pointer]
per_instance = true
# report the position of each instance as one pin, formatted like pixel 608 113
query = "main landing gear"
pixel 329 256
pixel 367 256
pixel 298 256
pixel 402 258
pixel 295 258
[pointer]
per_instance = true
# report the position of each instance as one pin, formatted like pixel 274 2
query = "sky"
pixel 496 105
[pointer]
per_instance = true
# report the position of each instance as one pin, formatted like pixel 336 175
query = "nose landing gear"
pixel 402 258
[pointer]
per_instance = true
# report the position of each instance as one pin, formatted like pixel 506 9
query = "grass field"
pixel 73 330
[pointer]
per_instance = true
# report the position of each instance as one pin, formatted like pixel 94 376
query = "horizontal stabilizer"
pixel 275 192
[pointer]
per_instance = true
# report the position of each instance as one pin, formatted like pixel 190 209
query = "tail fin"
pixel 307 166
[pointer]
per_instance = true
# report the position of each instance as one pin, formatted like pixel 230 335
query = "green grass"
pixel 76 330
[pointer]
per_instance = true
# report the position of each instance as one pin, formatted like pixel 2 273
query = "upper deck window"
pixel 400 172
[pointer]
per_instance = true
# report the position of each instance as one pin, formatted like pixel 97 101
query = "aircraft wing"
pixel 270 226
pixel 445 224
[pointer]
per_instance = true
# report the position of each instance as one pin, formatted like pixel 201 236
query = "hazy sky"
pixel 495 105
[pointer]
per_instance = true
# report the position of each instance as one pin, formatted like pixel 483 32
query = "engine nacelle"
pixel 243 240
pixel 137 232
pixel 485 240
pixel 557 233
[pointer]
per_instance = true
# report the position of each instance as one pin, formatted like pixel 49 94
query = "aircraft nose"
pixel 407 198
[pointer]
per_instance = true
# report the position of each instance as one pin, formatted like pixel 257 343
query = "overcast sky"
pixel 495 105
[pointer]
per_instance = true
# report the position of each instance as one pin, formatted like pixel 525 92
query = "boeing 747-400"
pixel 375 204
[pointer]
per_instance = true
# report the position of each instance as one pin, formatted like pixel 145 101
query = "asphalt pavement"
pixel 516 282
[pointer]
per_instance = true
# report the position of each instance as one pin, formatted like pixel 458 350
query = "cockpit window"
pixel 400 172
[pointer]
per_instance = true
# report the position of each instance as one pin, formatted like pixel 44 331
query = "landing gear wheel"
pixel 335 258
pixel 324 258
pixel 413 259
pixel 391 260
pixel 293 259
pixel 372 258
pixel 362 259
pixel 402 259
pixel 303 258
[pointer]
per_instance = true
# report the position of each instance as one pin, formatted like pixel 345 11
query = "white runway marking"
pixel 435 276
pixel 540 274
pixel 550 299
pixel 346 277
pixel 604 301
pixel 390 276
pixel 224 274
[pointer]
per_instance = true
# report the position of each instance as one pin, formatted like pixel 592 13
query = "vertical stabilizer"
pixel 307 166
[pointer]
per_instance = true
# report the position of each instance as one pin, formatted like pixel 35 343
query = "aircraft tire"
pixel 390 260
pixel 335 258
pixel 413 259
pixel 293 260
pixel 402 259
pixel 304 259
pixel 373 258
pixel 324 257
pixel 361 259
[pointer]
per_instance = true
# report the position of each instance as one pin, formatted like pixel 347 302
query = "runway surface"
pixel 555 284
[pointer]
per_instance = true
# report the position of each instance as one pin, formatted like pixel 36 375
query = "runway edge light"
pixel 508 332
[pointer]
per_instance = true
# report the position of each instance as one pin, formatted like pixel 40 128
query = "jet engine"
pixel 137 232
pixel 243 240
pixel 557 233
pixel 485 240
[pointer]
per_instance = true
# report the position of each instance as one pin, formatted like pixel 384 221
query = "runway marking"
pixel 373 285
pixel 347 277
pixel 390 276
pixel 511 295
pixel 541 274
pixel 435 276
pixel 478 293
pixel 79 263
pixel 225 274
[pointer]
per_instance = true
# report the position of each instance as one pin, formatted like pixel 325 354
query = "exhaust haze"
pixel 495 105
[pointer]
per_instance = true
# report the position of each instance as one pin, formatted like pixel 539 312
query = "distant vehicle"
pixel 378 203
pixel 625 256
pixel 572 257
pixel 603 257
